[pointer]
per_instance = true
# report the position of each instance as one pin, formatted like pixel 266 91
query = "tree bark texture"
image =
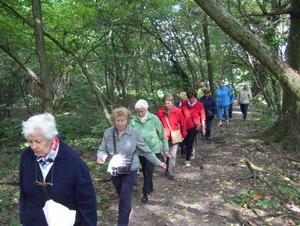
pixel 46 93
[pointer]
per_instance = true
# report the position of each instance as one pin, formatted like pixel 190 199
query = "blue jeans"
pixel 220 111
pixel 124 185
pixel 183 148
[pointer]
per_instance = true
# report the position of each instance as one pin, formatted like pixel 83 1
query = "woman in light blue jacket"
pixel 224 99
pixel 154 136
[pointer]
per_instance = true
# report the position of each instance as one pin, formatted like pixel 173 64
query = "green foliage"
pixel 10 132
pixel 265 115
pixel 251 200
pixel 291 192
pixel 73 127
pixel 265 204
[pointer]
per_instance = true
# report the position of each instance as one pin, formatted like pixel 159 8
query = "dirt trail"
pixel 204 196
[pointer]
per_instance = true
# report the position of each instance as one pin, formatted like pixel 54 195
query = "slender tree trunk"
pixel 46 92
pixel 208 57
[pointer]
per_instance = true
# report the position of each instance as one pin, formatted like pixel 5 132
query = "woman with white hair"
pixel 154 136
pixel 51 164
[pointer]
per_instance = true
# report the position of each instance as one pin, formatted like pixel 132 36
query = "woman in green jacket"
pixel 154 136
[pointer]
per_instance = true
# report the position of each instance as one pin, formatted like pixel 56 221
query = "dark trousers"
pixel 189 141
pixel 230 111
pixel 209 125
pixel 244 110
pixel 147 169
pixel 124 185
pixel 183 148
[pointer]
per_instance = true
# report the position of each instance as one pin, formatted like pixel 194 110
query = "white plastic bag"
pixel 58 214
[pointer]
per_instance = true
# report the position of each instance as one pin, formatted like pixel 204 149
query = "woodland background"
pixel 80 59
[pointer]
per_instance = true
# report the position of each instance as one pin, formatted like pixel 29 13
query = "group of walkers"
pixel 131 142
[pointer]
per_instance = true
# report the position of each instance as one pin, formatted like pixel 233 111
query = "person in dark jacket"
pixel 210 107
pixel 51 163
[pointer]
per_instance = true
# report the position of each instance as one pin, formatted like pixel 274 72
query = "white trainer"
pixel 187 164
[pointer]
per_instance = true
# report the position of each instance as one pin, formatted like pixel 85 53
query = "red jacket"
pixel 176 121
pixel 193 116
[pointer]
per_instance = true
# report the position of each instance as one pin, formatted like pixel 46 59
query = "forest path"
pixel 207 196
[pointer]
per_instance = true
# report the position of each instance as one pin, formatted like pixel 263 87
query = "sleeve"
pixel 182 124
pixel 202 113
pixel 85 196
pixel 22 198
pixel 161 134
pixel 145 150
pixel 250 94
pixel 214 106
pixel 102 150
pixel 232 96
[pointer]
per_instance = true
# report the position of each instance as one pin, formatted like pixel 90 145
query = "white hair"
pixel 45 123
pixel 141 104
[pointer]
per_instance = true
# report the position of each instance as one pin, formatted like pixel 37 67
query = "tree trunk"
pixel 46 93
pixel 208 57
pixel 287 129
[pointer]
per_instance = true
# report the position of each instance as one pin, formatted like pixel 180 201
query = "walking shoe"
pixel 130 213
pixel 208 138
pixel 145 198
pixel 220 124
pixel 187 164
pixel 171 177
pixel 227 122
pixel 193 154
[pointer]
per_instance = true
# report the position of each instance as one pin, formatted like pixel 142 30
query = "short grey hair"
pixel 45 123
pixel 141 104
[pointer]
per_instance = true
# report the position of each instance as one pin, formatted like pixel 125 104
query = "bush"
pixel 10 132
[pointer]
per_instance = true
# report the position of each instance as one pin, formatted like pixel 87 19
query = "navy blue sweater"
pixel 72 187
pixel 209 104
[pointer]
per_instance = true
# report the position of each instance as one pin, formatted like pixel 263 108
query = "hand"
pixel 166 154
pixel 101 159
pixel 203 131
pixel 163 166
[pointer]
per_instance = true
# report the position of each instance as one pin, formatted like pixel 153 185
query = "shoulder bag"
pixel 175 134
pixel 118 163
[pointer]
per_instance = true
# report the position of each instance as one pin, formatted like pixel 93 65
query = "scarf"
pixel 51 155
pixel 192 104
pixel 143 120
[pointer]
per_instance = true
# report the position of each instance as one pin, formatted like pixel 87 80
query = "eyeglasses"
pixel 43 184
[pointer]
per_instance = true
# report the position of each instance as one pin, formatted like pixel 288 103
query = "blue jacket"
pixel 209 104
pixel 72 187
pixel 232 96
pixel 224 97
